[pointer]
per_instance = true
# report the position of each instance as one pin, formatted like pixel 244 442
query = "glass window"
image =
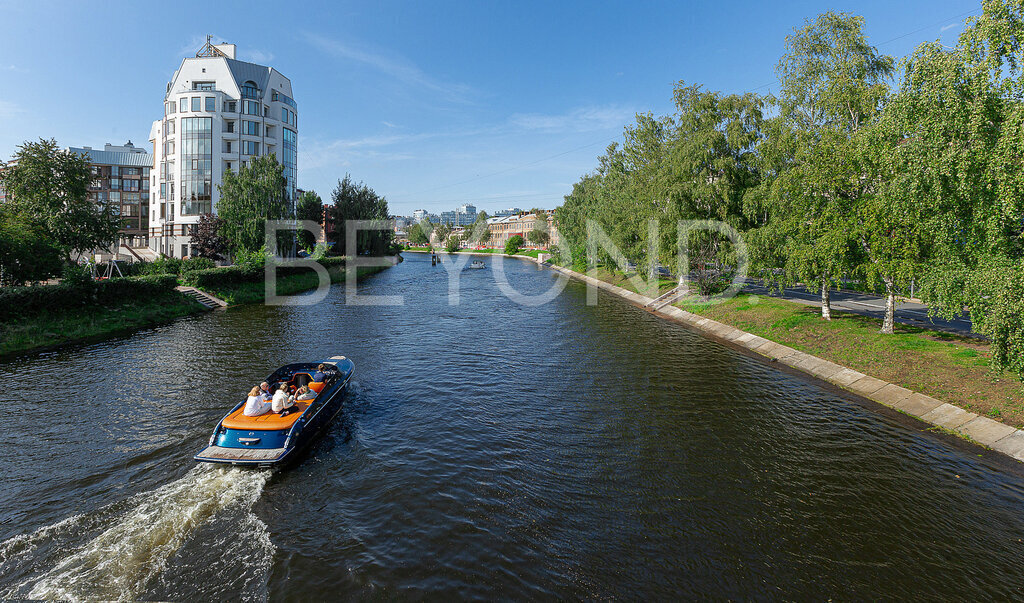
pixel 170 127
pixel 249 90
pixel 202 85
pixel 184 105
pixel 114 171
pixel 197 165
pixel 115 196
pixel 251 128
pixel 230 126
pixel 115 184
pixel 211 104
pixel 284 115
pixel 252 108
pixel 196 103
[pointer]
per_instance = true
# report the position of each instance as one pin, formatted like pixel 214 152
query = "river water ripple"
pixel 485 450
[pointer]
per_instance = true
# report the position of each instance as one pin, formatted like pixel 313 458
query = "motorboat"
pixel 270 440
pixel 477 265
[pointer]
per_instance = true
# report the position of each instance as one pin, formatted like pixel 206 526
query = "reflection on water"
pixel 485 450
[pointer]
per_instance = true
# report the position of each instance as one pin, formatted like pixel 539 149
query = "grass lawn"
pixel 951 368
pixel 619 279
pixel 93 323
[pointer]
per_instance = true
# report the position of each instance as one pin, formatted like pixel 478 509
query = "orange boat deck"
pixel 270 421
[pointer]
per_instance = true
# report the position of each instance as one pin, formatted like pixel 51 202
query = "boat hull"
pixel 265 448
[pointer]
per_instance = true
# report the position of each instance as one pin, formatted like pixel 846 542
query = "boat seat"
pixel 317 386
pixel 269 421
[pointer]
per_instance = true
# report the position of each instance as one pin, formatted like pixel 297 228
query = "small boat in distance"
pixel 477 264
pixel 270 440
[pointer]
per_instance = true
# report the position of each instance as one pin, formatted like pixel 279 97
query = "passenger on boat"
pixel 283 404
pixel 304 393
pixel 319 375
pixel 265 392
pixel 255 405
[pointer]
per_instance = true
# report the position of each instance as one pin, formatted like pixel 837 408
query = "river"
pixel 485 450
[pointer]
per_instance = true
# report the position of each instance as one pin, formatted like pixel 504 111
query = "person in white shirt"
pixel 282 403
pixel 255 405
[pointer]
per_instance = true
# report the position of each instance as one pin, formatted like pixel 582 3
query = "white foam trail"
pixel 25 543
pixel 119 563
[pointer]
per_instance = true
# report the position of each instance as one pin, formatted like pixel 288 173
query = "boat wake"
pixel 136 544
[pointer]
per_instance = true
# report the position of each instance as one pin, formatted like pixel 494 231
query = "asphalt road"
pixel 908 313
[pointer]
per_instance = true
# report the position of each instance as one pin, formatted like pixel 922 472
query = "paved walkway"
pixel 909 313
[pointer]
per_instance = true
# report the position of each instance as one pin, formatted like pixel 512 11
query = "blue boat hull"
pixel 274 448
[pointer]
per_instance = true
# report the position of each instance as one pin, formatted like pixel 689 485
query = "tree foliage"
pixel 206 240
pixel 514 244
pixel 248 199
pixel 48 189
pixel 357 201
pixel 309 207
pixel 417 236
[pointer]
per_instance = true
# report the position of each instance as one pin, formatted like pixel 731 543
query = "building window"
pixel 228 166
pixel 115 184
pixel 249 90
pixel 229 126
pixel 197 165
pixel 289 156
pixel 114 171
pixel 250 147
pixel 266 110
pixel 252 108
pixel 230 107
pixel 184 105
pixel 202 85
pixel 196 104
pixel 251 128
pixel 284 115
pixel 211 104
pixel 227 146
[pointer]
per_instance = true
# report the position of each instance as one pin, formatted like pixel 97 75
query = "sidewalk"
pixel 909 312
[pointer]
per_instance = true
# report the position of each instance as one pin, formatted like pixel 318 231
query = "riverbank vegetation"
pixel 80 309
pixel 899 175
pixel 952 368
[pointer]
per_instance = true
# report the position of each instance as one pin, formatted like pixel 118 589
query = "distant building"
pixel 512 211
pixel 464 215
pixel 218 114
pixel 503 228
pixel 120 179
pixel 419 215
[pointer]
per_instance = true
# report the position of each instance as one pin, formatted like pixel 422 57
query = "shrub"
pixel 193 264
pixel 164 265
pixel 513 245
pixel 16 302
pixel 251 260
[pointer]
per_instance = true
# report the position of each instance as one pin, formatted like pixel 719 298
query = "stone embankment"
pixel 982 430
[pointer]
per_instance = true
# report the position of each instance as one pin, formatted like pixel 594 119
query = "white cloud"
pixel 582 119
pixel 256 55
pixel 9 110
pixel 394 66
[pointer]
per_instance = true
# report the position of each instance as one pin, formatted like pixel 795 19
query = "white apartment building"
pixel 218 114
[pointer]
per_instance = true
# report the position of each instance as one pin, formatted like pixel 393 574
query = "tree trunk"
pixel 826 300
pixel 890 307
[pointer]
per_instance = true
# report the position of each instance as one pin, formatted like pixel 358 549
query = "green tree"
pixel 956 139
pixel 454 243
pixel 26 253
pixel 417 236
pixel 309 207
pixel 440 234
pixel 49 189
pixel 514 244
pixel 832 83
pixel 479 232
pixel 357 201
pixel 248 199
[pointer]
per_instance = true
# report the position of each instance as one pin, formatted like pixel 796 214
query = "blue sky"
pixel 499 104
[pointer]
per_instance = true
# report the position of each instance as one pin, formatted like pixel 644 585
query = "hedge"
pixel 18 302
pixel 235 275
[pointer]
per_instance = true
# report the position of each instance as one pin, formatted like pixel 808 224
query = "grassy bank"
pixel 255 292
pixel 48 330
pixel 951 368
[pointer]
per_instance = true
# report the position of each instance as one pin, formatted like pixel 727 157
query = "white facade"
pixel 219 113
